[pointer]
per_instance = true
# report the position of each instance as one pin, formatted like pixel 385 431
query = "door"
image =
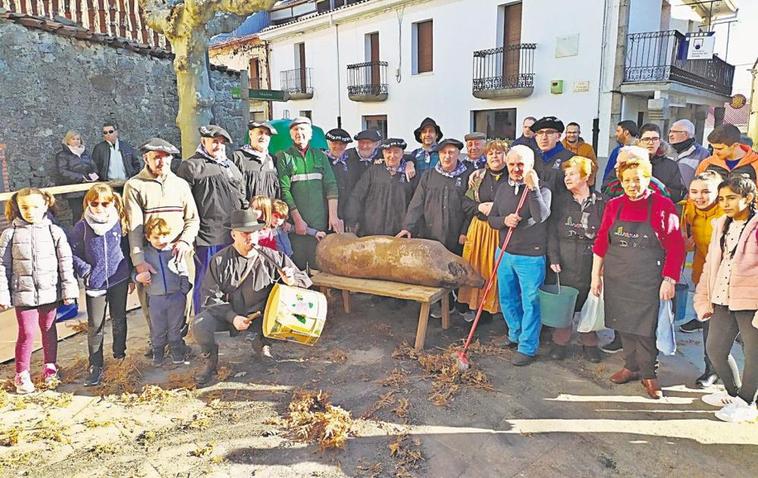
pixel 511 40
pixel 376 78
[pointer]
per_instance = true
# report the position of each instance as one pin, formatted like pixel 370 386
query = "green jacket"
pixel 307 183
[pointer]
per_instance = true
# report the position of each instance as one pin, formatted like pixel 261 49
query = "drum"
pixel 294 314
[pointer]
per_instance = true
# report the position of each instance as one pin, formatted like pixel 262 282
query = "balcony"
pixel 367 82
pixel 505 72
pixel 654 57
pixel 297 84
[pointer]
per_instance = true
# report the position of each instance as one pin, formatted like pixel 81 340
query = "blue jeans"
pixel 203 256
pixel 518 281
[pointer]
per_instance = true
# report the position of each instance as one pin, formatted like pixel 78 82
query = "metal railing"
pixel 662 56
pixel 367 79
pixel 511 66
pixel 297 81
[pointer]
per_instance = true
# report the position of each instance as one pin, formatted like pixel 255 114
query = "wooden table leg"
pixel 346 301
pixel 423 319
pixel 445 304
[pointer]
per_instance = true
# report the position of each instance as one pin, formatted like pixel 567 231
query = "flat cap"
pixel 260 124
pixel 213 131
pixel 300 120
pixel 474 136
pixel 369 134
pixel 392 142
pixel 339 134
pixel 548 122
pixel 451 142
pixel 158 144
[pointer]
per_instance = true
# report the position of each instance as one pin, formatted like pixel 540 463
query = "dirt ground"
pixel 410 415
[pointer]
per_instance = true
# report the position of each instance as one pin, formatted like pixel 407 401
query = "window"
pixel 254 74
pixel 301 79
pixel 499 124
pixel 377 122
pixel 423 48
pixel 307 113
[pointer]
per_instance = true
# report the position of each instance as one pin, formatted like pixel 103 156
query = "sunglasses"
pixel 100 203
pixel 110 131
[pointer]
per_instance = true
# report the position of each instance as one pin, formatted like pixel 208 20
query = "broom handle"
pixel 493 274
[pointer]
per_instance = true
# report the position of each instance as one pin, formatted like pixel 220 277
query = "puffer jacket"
pixel 36 266
pixel 102 261
pixel 743 284
pixel 73 169
pixel 171 275
pixel 698 223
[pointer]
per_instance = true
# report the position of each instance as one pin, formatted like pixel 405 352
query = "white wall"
pixel 460 27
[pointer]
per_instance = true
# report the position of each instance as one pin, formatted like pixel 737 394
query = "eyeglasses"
pixel 110 131
pixel 650 140
pixel 99 203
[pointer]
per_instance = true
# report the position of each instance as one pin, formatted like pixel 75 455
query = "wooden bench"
pixel 397 290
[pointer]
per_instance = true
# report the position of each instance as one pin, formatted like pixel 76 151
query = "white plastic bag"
pixel 665 337
pixel 592 315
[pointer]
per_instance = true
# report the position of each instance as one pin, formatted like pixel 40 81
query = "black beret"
pixel 548 122
pixel 259 124
pixel 369 134
pixel 158 144
pixel 212 131
pixel 449 141
pixel 339 134
pixel 390 142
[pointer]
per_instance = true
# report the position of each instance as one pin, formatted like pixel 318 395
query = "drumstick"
pixel 253 316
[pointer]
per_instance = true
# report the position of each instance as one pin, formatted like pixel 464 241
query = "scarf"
pixel 77 151
pixel 460 169
pixel 399 169
pixel 366 160
pixel 222 160
pixel 341 160
pixel 679 147
pixel 102 223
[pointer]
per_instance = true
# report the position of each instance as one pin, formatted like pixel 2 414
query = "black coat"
pixel 667 172
pixel 261 177
pixel 438 210
pixel 379 201
pixel 218 190
pixel 101 155
pixel 73 169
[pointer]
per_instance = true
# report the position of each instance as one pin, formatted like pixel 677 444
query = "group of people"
pixel 249 219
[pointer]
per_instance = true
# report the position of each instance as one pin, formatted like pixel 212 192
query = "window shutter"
pixel 425 46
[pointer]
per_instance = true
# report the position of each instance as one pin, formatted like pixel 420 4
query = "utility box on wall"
pixel 556 87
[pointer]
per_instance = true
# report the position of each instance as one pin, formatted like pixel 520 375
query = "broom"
pixel 461 357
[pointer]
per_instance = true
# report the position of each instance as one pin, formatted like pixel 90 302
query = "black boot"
pixel 209 371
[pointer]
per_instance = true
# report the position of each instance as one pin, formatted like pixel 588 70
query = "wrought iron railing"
pixel 511 66
pixel 297 81
pixel 367 79
pixel 662 56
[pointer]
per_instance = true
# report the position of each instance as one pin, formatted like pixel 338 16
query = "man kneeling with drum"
pixel 236 287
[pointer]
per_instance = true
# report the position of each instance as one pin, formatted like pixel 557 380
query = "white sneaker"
pixel 436 311
pixel 24 383
pixel 718 399
pixel 50 374
pixel 737 412
pixel 469 316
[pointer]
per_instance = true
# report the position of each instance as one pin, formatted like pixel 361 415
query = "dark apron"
pixel 632 276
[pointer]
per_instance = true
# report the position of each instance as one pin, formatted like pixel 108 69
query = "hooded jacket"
pixel 747 165
pixel 35 266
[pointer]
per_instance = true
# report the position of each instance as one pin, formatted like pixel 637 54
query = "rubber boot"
pixel 209 372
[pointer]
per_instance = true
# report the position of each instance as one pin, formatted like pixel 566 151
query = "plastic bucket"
pixel 557 304
pixel 294 314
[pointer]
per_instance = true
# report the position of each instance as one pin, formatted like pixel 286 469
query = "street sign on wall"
pixel 261 95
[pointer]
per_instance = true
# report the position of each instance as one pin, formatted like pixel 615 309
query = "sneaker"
pixel 737 412
pixel 157 358
pixel 520 360
pixel 469 316
pixel 95 376
pixel 718 399
pixel 24 383
pixel 613 346
pixel 591 354
pixel 177 357
pixel 436 311
pixel 692 326
pixel 50 374
pixel 706 380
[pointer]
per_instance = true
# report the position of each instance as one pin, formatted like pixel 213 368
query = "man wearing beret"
pixel 308 183
pixel 337 140
pixel 219 189
pixel 428 134
pixel 255 164
pixel 157 192
pixel 548 132
pixel 475 143
pixel 380 198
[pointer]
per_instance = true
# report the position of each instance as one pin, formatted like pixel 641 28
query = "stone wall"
pixel 50 83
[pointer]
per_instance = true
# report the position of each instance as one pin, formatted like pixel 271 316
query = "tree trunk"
pixel 193 88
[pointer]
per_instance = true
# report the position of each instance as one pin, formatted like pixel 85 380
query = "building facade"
pixel 485 65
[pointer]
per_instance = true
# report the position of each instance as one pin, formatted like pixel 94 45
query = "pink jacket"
pixel 743 286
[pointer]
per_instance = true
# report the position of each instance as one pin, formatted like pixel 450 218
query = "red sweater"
pixel 665 223
pixel 268 240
